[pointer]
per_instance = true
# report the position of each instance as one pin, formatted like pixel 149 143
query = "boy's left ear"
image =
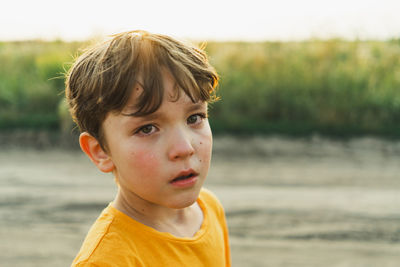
pixel 95 152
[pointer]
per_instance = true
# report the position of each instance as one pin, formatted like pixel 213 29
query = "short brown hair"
pixel 102 78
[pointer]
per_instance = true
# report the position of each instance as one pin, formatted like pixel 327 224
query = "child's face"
pixel 148 153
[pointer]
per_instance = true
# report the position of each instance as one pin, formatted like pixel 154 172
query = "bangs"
pixel 155 54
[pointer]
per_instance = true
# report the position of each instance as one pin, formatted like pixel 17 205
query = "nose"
pixel 180 145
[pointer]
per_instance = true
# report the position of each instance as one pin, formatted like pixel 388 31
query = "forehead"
pixel 170 92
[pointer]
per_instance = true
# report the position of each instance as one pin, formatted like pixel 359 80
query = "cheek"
pixel 145 161
pixel 206 151
pixel 205 148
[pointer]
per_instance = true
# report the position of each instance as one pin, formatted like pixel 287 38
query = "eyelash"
pixel 201 115
pixel 140 130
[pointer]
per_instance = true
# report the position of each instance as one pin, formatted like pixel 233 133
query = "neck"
pixel 183 222
pixel 140 209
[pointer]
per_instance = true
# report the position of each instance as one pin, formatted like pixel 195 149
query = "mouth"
pixel 185 178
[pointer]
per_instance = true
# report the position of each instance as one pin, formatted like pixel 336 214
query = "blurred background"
pixel 307 133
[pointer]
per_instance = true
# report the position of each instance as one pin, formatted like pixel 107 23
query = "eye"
pixel 196 118
pixel 146 130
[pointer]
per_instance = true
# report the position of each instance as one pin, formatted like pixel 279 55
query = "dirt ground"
pixel 303 202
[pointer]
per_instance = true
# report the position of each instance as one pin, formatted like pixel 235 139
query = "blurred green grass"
pixel 334 87
pixel 32 82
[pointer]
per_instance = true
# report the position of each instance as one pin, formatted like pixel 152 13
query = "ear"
pixel 97 155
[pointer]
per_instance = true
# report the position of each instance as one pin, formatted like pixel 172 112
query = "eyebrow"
pixel 197 106
pixel 150 116
pixel 157 114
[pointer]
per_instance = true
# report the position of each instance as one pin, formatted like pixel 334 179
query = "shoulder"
pixel 207 195
pixel 211 201
pixel 98 248
pixel 104 262
pixel 87 264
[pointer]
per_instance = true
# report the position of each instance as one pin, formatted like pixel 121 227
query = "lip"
pixel 187 182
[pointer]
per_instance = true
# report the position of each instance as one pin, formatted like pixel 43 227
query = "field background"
pixel 306 154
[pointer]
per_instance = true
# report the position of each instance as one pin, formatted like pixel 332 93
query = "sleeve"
pixel 226 241
pixel 211 198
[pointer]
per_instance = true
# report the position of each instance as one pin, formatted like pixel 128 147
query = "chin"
pixel 183 202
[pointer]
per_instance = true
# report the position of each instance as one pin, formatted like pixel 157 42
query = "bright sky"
pixel 201 20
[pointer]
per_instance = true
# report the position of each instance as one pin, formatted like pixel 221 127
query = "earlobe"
pixel 95 152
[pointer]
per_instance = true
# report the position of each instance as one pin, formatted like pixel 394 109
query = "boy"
pixel 140 101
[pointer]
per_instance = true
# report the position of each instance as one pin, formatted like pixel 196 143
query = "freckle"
pixel 201 143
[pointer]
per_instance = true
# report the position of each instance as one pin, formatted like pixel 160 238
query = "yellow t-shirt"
pixel 116 239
